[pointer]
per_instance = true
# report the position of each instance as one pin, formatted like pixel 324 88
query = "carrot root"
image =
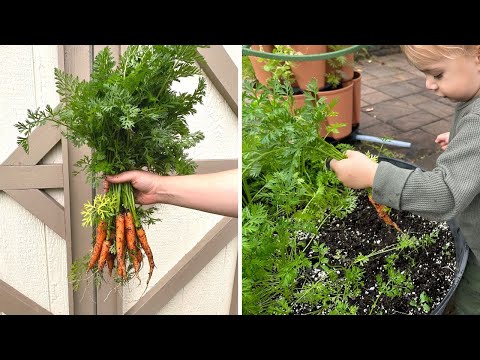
pixel 142 238
pixel 100 238
pixel 104 254
pixel 110 260
pixel 120 245
pixel 130 235
pixel 383 215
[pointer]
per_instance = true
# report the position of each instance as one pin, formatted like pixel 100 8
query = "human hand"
pixel 442 140
pixel 144 183
pixel 357 171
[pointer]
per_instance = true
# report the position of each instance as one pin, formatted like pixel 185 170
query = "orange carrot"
pixel 130 234
pixel 383 215
pixel 110 257
pixel 110 263
pixel 120 245
pixel 138 254
pixel 104 254
pixel 100 238
pixel 142 238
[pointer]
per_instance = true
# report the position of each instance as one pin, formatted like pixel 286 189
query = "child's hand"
pixel 357 171
pixel 442 140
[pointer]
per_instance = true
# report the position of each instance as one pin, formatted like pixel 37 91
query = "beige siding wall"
pixel 32 256
pixel 203 295
pixel 235 52
pixel 181 229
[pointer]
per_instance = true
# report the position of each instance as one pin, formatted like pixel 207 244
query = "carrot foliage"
pixel 128 114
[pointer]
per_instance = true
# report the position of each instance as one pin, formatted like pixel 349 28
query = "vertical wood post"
pixel 78 61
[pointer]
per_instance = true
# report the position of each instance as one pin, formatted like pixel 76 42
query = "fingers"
pixel 137 195
pixel 122 177
pixel 119 178
pixel 333 164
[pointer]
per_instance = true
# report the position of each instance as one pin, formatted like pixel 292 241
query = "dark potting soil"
pixel 363 231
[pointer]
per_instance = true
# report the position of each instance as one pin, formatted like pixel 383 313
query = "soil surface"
pixel 431 268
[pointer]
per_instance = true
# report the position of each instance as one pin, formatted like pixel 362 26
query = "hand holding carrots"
pixel 145 184
pixel 215 193
pixel 118 227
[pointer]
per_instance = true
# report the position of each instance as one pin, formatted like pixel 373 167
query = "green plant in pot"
pixel 298 73
pixel 280 69
pixel 248 71
pixel 312 246
pixel 340 68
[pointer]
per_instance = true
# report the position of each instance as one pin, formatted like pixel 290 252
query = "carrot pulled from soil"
pixel 142 238
pixel 138 254
pixel 110 257
pixel 383 215
pixel 130 235
pixel 104 254
pixel 110 260
pixel 120 245
pixel 100 238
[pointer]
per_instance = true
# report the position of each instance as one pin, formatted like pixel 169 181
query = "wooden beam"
pixel 41 141
pixel 186 269
pixel 13 302
pixel 23 177
pixel 212 166
pixel 77 61
pixel 222 72
pixel 234 301
pixel 40 204
pixel 66 218
pixel 43 206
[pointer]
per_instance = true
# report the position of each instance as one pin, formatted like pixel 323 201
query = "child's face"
pixel 457 79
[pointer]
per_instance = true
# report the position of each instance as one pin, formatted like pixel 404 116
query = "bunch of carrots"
pixel 119 234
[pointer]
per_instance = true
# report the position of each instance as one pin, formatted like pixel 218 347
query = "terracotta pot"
pixel 305 71
pixel 346 70
pixel 343 107
pixel 261 74
pixel 357 89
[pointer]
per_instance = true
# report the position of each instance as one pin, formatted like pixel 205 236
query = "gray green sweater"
pixel 452 189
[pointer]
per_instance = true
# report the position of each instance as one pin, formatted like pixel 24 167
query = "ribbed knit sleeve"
pixel 447 190
pixel 388 184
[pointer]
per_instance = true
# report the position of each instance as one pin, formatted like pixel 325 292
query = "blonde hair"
pixel 421 56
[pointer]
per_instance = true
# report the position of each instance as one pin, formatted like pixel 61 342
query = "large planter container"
pixel 305 71
pixel 357 95
pixel 346 70
pixel 260 73
pixel 461 248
